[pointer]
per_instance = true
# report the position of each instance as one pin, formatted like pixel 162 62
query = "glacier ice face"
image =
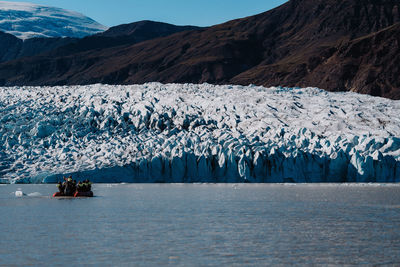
pixel 197 133
pixel 26 20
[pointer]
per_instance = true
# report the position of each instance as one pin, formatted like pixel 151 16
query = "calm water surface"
pixel 212 225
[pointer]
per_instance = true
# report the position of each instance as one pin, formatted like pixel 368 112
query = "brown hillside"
pixel 333 44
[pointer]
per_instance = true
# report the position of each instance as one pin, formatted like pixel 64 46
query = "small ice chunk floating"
pixel 19 193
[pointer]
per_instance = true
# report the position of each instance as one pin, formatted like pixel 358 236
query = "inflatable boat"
pixel 77 194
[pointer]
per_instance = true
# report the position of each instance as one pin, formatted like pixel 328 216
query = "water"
pixel 233 225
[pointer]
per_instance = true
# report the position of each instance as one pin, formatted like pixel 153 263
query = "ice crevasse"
pixel 196 133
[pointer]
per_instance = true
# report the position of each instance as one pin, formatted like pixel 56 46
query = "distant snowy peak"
pixel 27 20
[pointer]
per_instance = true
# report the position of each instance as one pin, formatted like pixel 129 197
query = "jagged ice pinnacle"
pixel 197 133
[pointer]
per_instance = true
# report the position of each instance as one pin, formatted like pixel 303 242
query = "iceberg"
pixel 190 133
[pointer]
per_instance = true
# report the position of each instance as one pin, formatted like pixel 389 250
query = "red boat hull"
pixel 58 194
pixel 77 194
pixel 83 194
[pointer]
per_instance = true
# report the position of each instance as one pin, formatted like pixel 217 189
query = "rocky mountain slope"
pixel 12 47
pixel 338 45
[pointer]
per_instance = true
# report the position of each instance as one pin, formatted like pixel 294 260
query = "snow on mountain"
pixel 197 133
pixel 26 20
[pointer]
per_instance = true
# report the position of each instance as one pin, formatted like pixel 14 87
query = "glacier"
pixel 27 20
pixel 196 133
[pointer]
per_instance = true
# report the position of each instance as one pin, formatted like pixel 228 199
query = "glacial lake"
pixel 202 224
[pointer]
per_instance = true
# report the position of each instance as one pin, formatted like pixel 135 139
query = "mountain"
pixel 12 47
pixel 145 30
pixel 26 20
pixel 338 45
pixel 126 34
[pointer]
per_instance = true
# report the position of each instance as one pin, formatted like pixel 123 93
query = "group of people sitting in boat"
pixel 69 186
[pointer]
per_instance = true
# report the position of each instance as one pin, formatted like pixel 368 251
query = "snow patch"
pixel 27 20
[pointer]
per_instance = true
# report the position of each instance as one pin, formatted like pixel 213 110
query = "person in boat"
pixel 61 187
pixel 88 186
pixel 64 184
pixel 84 186
pixel 80 187
pixel 66 179
pixel 70 188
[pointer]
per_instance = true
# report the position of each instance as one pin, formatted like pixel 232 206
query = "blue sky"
pixel 180 12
